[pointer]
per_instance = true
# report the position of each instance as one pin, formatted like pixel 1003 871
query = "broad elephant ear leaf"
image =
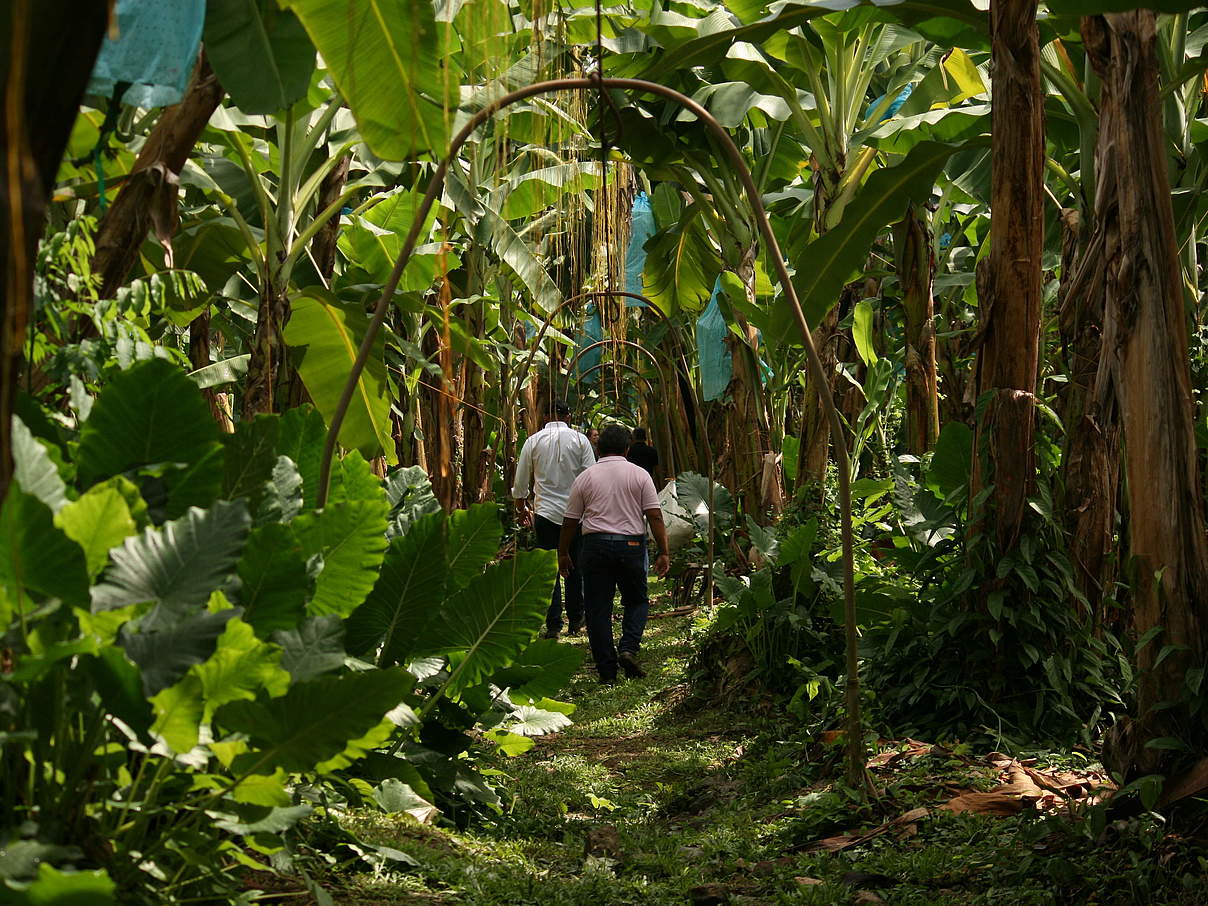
pixel 474 536
pixel 692 492
pixel 409 592
pixel 273 580
pixel 99 521
pixel 316 721
pixel 312 648
pixel 491 620
pixel 351 538
pixel 35 555
pixel 147 414
pixel 542 670
pixel 326 335
pixel 259 52
pixel 178 565
pixel 34 470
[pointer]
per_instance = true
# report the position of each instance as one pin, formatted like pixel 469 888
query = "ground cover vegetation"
pixel 269 629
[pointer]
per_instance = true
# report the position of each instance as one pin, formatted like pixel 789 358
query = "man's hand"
pixel 662 564
pixel 565 565
pixel 524 515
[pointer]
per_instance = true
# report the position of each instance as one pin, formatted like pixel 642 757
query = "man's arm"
pixel 655 517
pixel 587 456
pixel 569 527
pixel 524 478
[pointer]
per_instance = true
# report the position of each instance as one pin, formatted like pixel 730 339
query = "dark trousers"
pixel 607 565
pixel 547 539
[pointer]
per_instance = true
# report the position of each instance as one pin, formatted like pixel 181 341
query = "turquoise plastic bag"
pixel 715 358
pixel 641 228
pixel 593 332
pixel 155 51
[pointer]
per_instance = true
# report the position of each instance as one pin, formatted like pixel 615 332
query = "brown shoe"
pixel 629 663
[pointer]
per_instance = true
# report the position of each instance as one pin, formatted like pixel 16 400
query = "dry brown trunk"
pixel 199 357
pixel 148 197
pixel 1091 462
pixel 323 246
pixel 476 463
pixel 1145 347
pixel 815 428
pixel 47 50
pixel 267 354
pixel 747 418
pixel 916 269
pixel 1010 309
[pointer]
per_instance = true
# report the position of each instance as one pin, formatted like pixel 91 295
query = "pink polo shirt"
pixel 612 497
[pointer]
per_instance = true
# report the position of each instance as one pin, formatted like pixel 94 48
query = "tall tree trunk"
pixel 47 50
pixel 148 197
pixel 916 270
pixel 268 351
pixel 1091 460
pixel 1010 310
pixel 199 357
pixel 746 416
pixel 814 452
pixel 476 481
pixel 1145 342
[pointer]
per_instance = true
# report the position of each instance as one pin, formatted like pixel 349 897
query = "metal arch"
pixel 855 754
pixel 570 366
pixel 593 294
pixel 615 364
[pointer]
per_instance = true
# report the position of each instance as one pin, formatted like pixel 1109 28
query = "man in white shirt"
pixel 550 460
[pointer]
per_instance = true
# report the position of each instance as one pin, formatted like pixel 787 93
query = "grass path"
pixel 652 800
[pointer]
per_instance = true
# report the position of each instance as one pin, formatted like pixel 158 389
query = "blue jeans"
pixel 547 533
pixel 607 565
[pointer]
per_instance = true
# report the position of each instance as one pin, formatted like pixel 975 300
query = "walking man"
pixel 612 502
pixel 550 460
pixel 642 454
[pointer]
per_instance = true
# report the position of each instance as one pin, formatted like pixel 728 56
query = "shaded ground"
pixel 650 799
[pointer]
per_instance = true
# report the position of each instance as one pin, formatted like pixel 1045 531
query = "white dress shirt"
pixel 551 459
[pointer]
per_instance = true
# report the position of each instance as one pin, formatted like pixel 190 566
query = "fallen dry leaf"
pixel 843 841
pixel 809 882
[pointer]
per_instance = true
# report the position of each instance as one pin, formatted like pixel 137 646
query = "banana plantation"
pixel 908 298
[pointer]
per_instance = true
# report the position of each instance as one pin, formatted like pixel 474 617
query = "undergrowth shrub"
pixel 199 667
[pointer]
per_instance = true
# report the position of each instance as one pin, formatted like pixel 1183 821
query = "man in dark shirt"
pixel 642 454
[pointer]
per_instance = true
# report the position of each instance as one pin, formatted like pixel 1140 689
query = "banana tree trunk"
pixel 148 197
pixel 746 415
pixel 477 462
pixel 815 427
pixel 267 354
pixel 1091 461
pixel 916 271
pixel 47 50
pixel 199 357
pixel 1145 340
pixel 1010 310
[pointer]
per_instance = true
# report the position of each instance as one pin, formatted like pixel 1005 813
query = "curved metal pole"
pixel 855 765
pixel 658 367
pixel 624 365
pixel 570 366
pixel 591 294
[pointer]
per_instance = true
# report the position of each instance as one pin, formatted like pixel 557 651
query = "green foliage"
pixel 387 42
pixel 260 53
pixel 147 416
pixel 327 336
pixel 205 671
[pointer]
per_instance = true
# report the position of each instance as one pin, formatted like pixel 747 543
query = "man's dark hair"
pixel 559 410
pixel 639 435
pixel 614 441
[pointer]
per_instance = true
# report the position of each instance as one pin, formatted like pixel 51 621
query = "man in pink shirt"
pixel 612 501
